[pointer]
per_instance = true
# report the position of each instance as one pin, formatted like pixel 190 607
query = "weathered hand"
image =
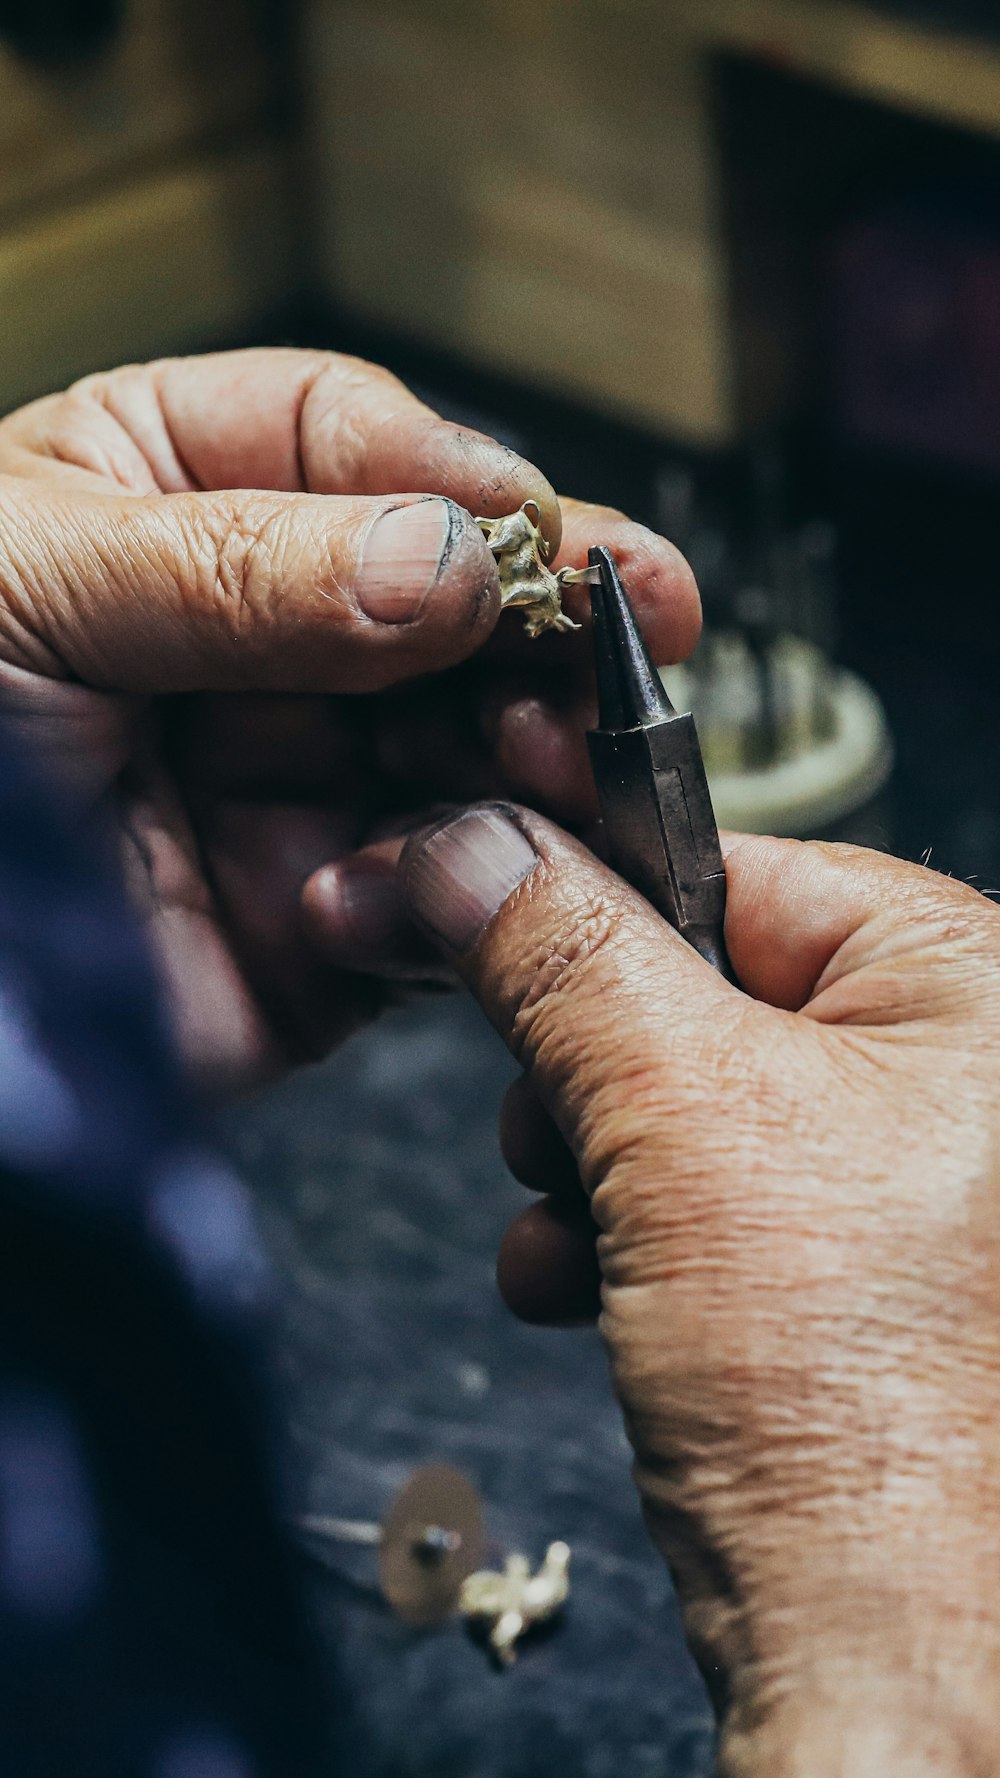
pixel 798 1195
pixel 194 555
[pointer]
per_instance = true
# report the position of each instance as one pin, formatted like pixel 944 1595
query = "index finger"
pixel 660 583
pixel 282 419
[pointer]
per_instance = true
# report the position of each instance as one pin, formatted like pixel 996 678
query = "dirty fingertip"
pixel 353 913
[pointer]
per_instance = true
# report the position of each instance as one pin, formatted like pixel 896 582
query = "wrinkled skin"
pixel 181 639
pixel 796 1197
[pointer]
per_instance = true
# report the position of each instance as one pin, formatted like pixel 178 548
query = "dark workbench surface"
pixel 384 1194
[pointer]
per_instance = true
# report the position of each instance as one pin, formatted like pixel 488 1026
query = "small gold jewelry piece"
pixel 512 1601
pixel 521 554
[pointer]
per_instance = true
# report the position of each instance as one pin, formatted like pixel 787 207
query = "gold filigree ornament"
pixel 521 555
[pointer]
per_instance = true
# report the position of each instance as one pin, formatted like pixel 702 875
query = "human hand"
pixel 194 555
pixel 797 1190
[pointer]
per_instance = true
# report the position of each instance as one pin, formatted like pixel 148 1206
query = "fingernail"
pixel 401 559
pixel 459 875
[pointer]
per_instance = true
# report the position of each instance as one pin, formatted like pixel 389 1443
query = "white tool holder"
pixel 833 751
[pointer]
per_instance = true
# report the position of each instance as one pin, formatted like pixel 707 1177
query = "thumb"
pixel 219 591
pixel 594 993
pixel 583 980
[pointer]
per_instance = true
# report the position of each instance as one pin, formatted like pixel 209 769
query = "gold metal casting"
pixel 521 554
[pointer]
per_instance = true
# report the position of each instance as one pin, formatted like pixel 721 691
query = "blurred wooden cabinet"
pixel 536 184
pixel 533 184
pixel 143 204
pixel 529 182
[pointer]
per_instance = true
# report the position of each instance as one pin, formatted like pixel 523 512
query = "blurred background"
pixel 733 265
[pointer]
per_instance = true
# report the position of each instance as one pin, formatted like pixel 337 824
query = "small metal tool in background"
pixel 793 742
pixel 429 1540
pixel 658 816
pixel 430 1544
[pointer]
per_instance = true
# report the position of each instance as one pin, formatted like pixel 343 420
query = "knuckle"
pixel 237 556
pixel 86 430
pixel 350 445
pixel 360 373
pixel 14 580
pixel 19 429
pixel 33 578
pixel 344 404
pixel 562 968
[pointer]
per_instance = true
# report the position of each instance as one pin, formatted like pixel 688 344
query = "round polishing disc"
pixel 432 1538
